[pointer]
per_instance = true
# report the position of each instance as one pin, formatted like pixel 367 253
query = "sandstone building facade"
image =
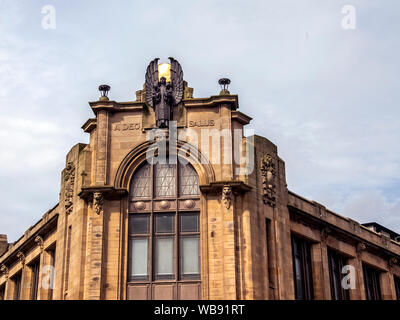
pixel 202 226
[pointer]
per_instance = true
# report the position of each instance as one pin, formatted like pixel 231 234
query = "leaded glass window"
pixel 164 244
pixel 141 183
pixel 189 181
pixel 165 177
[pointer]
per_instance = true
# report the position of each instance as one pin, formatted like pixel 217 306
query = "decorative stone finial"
pixel 224 83
pixel 104 88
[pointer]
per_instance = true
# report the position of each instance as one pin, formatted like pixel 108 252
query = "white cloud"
pixel 327 97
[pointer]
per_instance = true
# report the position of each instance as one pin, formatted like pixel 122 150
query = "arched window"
pixel 164 232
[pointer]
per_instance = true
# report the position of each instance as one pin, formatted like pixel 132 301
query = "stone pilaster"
pixel 102 148
pixel 96 223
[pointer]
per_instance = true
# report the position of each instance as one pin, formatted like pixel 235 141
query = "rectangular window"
pixel 139 258
pixel 52 257
pixel 336 264
pixel 164 246
pixel 269 247
pixel 190 261
pixel 164 255
pixel 302 272
pixel 139 233
pixel 67 263
pixel 397 287
pixel 189 222
pixel 17 286
pixel 3 292
pixel 189 246
pixel 139 224
pixel 164 223
pixel 35 279
pixel 371 283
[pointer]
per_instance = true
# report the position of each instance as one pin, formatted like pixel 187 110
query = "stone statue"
pixel 161 95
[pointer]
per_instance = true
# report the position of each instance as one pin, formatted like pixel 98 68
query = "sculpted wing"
pixel 151 81
pixel 177 80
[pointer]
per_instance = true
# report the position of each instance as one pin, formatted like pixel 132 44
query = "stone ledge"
pixel 216 186
pixel 109 192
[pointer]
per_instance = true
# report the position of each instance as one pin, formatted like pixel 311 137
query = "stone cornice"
pixel 89 125
pixel 114 106
pixel 311 211
pixel 217 186
pixel 241 117
pixel 109 192
pixel 213 101
pixel 27 242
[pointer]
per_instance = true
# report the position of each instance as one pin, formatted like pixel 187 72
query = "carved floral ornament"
pixel 268 180
pixel 227 196
pixel 98 202
pixel 69 180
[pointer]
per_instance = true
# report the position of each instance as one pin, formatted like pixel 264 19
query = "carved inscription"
pixel 202 123
pixel 126 126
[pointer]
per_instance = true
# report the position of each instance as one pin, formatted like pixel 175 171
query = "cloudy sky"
pixel 326 95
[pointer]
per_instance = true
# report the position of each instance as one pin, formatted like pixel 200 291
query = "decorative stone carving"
pixel 39 241
pixel 4 270
pixel 189 204
pixel 98 202
pixel 268 180
pixel 325 233
pixel 227 196
pixel 164 204
pixel 140 205
pixel 385 240
pixel 69 182
pixel 164 94
pixel 21 257
pixel 361 247
pixel 393 261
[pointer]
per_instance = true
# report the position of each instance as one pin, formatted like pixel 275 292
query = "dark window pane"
pixel 17 286
pixel 372 283
pixel 164 223
pixel 164 255
pixel 2 292
pixel 189 222
pixel 139 224
pixel 303 281
pixel 35 280
pixel 397 287
pixel 336 264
